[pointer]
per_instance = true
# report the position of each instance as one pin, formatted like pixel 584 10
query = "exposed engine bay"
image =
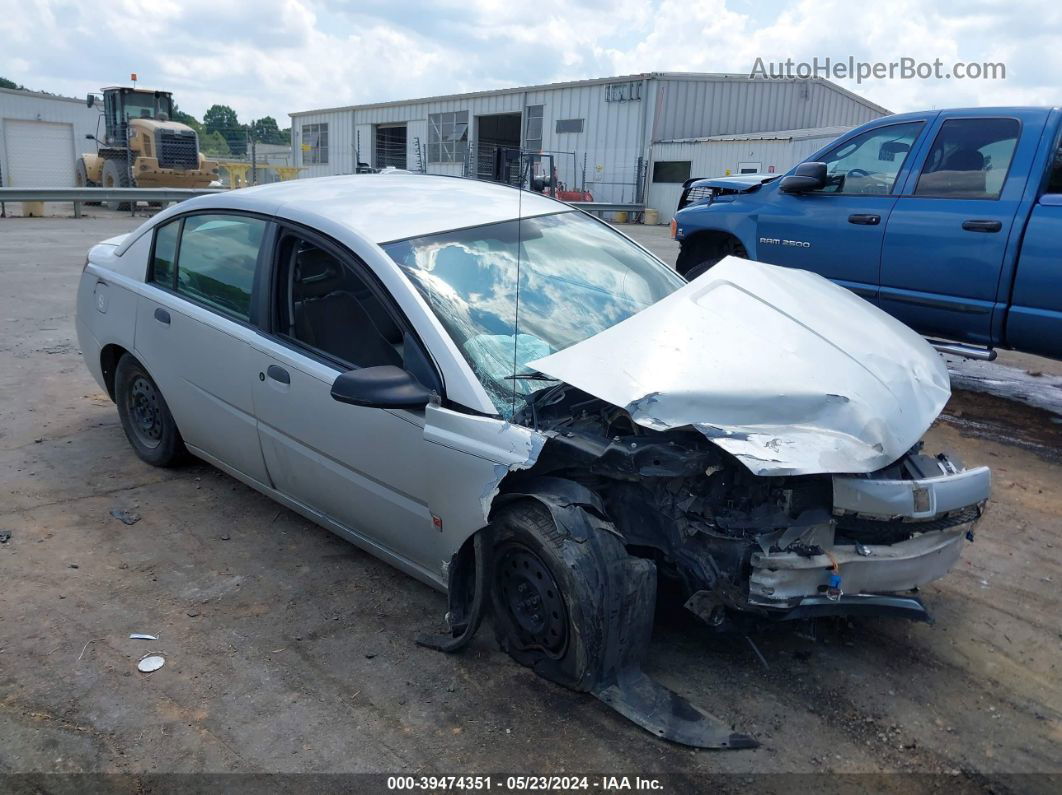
pixel 738 543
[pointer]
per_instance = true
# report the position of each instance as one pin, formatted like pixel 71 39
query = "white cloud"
pixel 277 56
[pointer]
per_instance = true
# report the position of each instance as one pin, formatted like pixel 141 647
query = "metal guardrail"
pixel 609 207
pixel 80 195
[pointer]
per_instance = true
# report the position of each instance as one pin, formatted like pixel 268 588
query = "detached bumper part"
pixel 784 579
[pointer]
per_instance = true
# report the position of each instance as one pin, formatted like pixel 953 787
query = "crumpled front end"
pixel 890 533
pixel 741 544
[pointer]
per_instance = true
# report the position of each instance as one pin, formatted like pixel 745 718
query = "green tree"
pixel 214 143
pixel 222 119
pixel 5 83
pixel 187 118
pixel 265 131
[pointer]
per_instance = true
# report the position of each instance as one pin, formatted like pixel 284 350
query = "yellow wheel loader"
pixel 141 147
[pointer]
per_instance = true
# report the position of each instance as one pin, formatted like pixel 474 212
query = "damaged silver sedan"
pixel 515 403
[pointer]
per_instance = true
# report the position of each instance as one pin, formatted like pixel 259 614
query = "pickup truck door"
pixel 953 226
pixel 837 230
pixel 1034 321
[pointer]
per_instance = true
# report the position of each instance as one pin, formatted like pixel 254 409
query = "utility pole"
pixel 254 151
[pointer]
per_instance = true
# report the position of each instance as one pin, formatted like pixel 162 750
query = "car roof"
pixel 386 207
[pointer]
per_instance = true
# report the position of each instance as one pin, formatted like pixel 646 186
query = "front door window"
pixel 870 163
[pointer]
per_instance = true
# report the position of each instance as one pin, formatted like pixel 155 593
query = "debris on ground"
pixel 143 636
pixel 85 647
pixel 755 649
pixel 125 517
pixel 5 536
pixel 150 663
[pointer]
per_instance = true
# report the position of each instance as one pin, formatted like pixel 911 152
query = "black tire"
pixel 145 417
pixel 707 253
pixel 115 174
pixel 592 601
pixel 82 181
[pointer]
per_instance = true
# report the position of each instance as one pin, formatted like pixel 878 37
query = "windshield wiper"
pixel 533 376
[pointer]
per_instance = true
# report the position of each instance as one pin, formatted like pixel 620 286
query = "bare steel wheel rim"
pixel 145 412
pixel 526 590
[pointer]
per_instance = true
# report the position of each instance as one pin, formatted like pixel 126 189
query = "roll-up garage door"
pixel 39 154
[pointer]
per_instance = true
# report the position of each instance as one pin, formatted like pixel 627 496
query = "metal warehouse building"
pixel 605 135
pixel 721 155
pixel 41 136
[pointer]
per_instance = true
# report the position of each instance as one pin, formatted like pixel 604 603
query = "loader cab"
pixel 122 105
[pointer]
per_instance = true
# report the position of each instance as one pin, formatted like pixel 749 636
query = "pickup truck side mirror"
pixel 382 387
pixel 806 177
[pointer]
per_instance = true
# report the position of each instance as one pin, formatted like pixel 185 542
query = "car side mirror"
pixel 382 387
pixel 805 177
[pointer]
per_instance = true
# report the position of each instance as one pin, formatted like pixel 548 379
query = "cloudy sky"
pixel 271 57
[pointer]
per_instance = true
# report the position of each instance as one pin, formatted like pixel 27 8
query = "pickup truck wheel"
pixel 707 253
pixel 560 605
pixel 145 417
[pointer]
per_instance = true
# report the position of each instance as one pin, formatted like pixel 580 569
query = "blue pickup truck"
pixel 949 220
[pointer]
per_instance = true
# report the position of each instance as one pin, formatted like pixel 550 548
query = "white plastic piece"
pixel 150 663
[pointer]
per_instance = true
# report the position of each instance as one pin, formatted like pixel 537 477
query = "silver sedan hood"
pixel 782 368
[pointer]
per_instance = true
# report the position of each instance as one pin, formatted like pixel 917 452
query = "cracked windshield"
pixel 577 277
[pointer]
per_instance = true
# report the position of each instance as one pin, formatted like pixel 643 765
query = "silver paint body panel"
pixel 780 367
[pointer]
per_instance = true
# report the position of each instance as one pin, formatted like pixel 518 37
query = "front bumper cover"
pixel 921 499
pixel 933 514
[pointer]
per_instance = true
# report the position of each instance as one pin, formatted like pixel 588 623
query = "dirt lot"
pixel 289 650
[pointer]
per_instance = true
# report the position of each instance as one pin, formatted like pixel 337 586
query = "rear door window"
pixel 969 159
pixel 1054 178
pixel 210 259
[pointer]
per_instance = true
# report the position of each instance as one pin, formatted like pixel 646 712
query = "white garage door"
pixel 39 154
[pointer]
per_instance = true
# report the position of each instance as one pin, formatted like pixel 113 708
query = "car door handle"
pixel 865 220
pixel 162 316
pixel 982 226
pixel 278 374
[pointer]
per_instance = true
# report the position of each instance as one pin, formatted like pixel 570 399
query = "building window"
pixel 569 125
pixel 671 170
pixel 448 137
pixel 314 144
pixel 533 135
pixel 624 92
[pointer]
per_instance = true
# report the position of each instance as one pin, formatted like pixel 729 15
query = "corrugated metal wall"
pixel 715 158
pixel 604 156
pixel 340 143
pixel 609 146
pixel 27 106
pixel 693 108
